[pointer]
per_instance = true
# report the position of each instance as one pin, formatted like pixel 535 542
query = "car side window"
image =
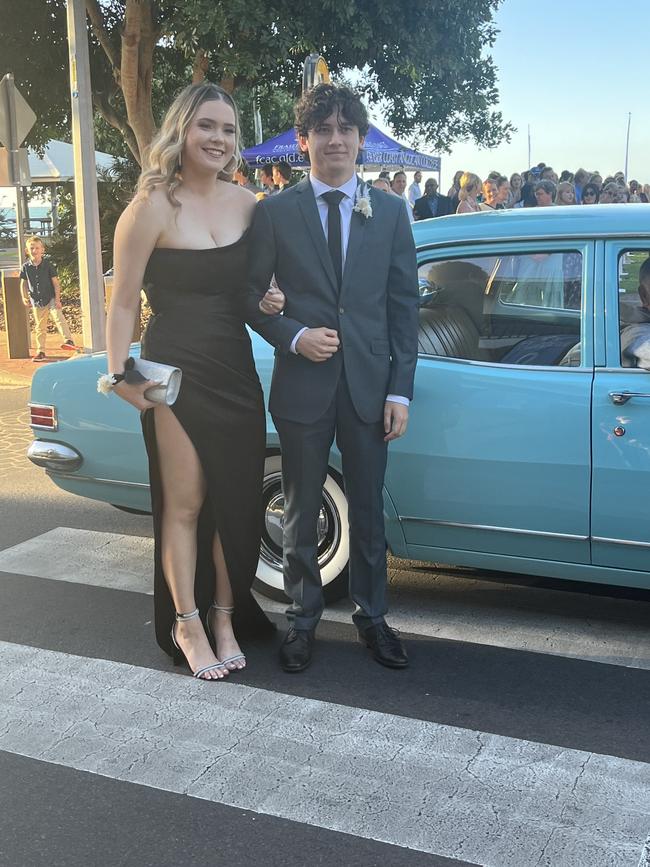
pixel 521 308
pixel 634 308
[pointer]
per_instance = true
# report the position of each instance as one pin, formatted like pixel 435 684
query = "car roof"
pixel 566 221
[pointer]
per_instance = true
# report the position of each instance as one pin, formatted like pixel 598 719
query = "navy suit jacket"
pixel 375 313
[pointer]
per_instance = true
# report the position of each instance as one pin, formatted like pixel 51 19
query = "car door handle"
pixel 618 398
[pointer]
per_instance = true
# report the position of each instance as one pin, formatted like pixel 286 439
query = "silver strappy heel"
pixel 179 656
pixel 227 609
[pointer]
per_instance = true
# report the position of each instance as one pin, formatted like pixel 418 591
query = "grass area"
pixel 629 271
pixel 8 257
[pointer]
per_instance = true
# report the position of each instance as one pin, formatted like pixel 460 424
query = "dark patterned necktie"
pixel 333 199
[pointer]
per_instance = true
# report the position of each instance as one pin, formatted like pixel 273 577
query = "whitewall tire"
pixel 333 545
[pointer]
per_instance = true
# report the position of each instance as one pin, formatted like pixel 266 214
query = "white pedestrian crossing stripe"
pixel 124 562
pixel 492 800
pixel 645 855
pixel 112 560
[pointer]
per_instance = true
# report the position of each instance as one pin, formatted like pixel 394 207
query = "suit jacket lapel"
pixel 358 227
pixel 309 210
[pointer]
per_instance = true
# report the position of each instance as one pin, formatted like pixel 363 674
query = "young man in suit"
pixel 346 349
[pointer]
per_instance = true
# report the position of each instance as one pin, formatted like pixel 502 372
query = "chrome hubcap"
pixel 328 530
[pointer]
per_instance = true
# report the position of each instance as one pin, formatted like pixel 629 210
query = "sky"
pixel 573 70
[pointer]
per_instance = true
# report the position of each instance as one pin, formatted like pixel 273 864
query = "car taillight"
pixel 43 416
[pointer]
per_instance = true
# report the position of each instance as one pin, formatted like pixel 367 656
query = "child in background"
pixel 41 289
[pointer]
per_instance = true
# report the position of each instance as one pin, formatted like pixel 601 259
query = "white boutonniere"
pixel 362 203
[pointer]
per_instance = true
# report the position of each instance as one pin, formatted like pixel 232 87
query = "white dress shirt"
pixel 349 189
pixel 414 193
pixel 346 206
pixel 409 209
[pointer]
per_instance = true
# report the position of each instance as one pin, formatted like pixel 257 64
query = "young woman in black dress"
pixel 184 238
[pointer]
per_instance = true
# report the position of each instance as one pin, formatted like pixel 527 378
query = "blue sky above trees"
pixel 572 70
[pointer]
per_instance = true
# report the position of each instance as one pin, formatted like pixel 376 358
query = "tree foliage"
pixel 114 191
pixel 35 49
pixel 424 62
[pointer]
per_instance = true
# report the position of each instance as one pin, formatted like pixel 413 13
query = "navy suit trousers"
pixel 305 456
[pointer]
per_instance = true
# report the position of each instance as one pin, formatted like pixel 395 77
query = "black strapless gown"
pixel 197 325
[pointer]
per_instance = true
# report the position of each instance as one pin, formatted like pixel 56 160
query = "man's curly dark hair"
pixel 318 103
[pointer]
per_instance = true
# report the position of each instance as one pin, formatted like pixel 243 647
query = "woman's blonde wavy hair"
pixel 162 162
pixel 469 184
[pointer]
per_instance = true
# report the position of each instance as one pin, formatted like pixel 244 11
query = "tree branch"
pixel 228 83
pixel 103 37
pixel 107 111
pixel 139 36
pixel 200 66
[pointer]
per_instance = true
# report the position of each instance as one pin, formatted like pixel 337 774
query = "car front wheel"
pixel 332 535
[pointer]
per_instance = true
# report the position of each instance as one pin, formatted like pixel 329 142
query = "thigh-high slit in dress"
pixel 197 325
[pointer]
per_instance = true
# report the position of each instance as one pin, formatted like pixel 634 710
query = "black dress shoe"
pixel 295 651
pixel 385 645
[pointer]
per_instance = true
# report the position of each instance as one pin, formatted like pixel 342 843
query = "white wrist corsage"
pixel 106 383
pixel 362 203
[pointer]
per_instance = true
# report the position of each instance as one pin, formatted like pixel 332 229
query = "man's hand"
pixel 396 416
pixel 318 344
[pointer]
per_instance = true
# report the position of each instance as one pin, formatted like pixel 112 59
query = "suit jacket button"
pixel 341 310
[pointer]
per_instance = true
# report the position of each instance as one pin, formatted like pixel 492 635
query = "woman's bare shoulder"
pixel 153 203
pixel 242 199
pixel 146 216
pixel 236 193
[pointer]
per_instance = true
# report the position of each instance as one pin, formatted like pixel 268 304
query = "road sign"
pixel 315 71
pixel 16 120
pixel 6 169
pixel 25 117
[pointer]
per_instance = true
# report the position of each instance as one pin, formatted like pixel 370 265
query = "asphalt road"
pixel 518 737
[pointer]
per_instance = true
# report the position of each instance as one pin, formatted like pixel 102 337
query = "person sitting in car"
pixel 635 337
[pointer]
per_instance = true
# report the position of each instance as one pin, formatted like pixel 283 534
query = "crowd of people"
pixel 540 186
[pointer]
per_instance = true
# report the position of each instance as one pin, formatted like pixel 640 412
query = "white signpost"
pixel 91 283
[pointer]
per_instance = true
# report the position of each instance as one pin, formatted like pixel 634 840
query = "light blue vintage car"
pixel 528 448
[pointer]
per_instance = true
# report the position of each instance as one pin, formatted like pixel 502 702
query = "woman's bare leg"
pixel 183 490
pixel 221 620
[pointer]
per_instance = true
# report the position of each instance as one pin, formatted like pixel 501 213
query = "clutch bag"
pixel 166 377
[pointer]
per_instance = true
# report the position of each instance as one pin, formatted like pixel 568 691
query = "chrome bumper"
pixel 54 456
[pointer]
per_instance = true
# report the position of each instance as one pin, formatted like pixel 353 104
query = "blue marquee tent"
pixel 379 151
